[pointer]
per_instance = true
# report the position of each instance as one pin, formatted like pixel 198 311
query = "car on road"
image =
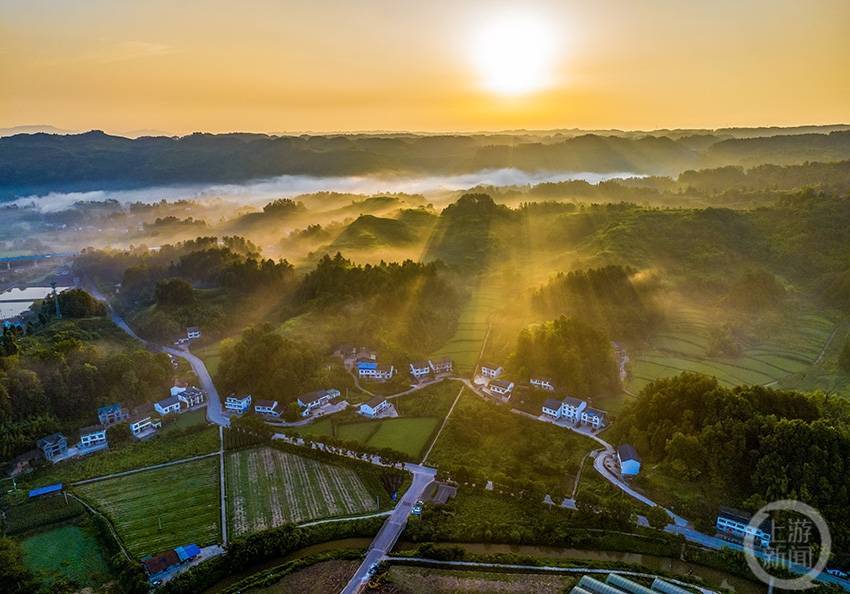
pixel 417 509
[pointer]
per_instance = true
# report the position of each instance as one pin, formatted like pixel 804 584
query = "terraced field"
pixel 463 348
pixel 268 488
pixel 787 352
pixel 160 509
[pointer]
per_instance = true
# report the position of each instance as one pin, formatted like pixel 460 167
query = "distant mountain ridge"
pixel 39 163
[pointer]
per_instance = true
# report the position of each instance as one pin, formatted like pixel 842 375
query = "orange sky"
pixel 395 65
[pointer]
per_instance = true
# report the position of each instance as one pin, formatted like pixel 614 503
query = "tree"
pixel 174 292
pixel 291 412
pixel 15 578
pixel 657 517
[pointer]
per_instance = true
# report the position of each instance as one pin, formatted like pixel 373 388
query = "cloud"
pixel 133 50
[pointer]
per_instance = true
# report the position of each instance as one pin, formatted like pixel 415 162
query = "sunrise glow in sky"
pixel 302 65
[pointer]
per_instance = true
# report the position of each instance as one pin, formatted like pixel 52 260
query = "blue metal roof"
pixel 187 551
pixel 45 490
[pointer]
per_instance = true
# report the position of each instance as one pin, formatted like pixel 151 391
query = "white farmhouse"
pixel 552 407
pixel 238 404
pixel 192 397
pixel 266 407
pixel 314 400
pixel 542 383
pixel 569 408
pixel 444 365
pixel 193 333
pixel 501 387
pixel 420 369
pixel 491 370
pixel 593 417
pixel 92 437
pixel 143 422
pixel 168 406
pixel 572 408
pixel 374 407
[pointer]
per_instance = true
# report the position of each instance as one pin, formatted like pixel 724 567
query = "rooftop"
pixel 420 364
pixel 109 408
pixel 46 490
pixel 170 401
pixel 51 439
pixel 501 384
pixel 92 429
pixel 627 452
pixel 266 403
pixel 595 412
pixel 574 402
pixel 551 403
pixel 376 401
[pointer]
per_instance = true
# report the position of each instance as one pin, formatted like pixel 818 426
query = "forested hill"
pixel 34 163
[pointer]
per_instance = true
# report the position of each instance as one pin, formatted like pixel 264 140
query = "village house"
pixel 168 406
pixel 53 446
pixel 266 407
pixel 542 383
pixel 420 369
pixel 193 333
pixel 369 368
pixel 374 407
pixel 161 562
pixel 501 387
pixel 314 400
pixel 178 388
pixel 238 404
pixel 491 370
pixel 552 407
pixel 192 397
pixel 572 408
pixel 593 417
pixel 111 414
pixel 736 522
pixel 143 422
pixel 93 437
pixel 629 460
pixel 444 365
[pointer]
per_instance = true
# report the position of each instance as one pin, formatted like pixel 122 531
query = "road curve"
pixel 215 413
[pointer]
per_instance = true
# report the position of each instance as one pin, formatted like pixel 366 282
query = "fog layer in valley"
pixel 261 191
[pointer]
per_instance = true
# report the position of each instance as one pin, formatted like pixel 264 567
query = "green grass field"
pixel 159 509
pixel 406 435
pixel 268 488
pixel 422 411
pixel 779 354
pixel 409 436
pixel 162 448
pixel 464 347
pixel 69 552
pixel 492 443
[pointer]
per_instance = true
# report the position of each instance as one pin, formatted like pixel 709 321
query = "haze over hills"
pixel 41 163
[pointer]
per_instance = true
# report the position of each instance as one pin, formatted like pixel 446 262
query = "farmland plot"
pixel 267 488
pixel 156 510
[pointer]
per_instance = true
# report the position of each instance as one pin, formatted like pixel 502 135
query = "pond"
pixel 16 301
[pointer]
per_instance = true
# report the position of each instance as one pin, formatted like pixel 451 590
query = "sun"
pixel 514 55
